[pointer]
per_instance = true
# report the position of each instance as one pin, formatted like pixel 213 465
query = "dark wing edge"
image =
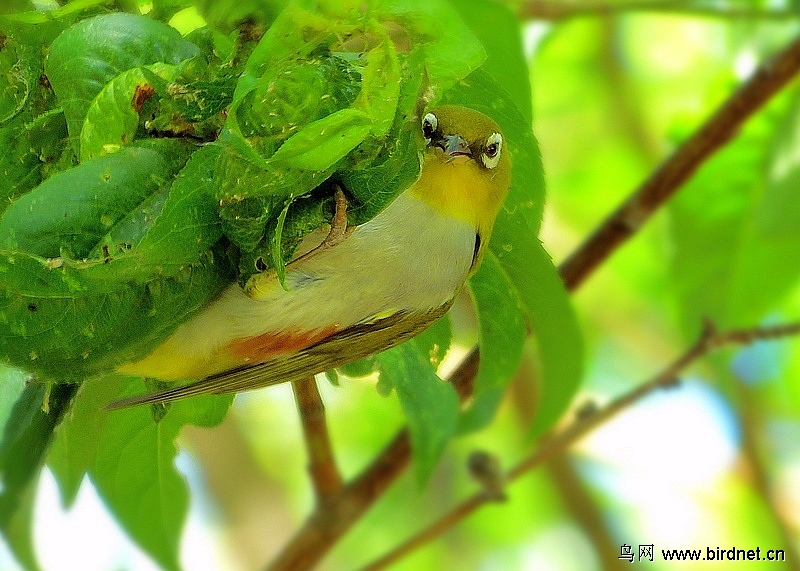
pixel 351 344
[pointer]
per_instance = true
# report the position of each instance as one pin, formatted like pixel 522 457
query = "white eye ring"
pixel 492 151
pixel 430 123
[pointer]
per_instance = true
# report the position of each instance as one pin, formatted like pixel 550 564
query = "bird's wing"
pixel 348 345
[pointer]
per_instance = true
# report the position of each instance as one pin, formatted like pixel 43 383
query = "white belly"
pixel 408 257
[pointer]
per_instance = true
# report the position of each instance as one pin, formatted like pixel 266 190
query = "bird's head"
pixel 467 169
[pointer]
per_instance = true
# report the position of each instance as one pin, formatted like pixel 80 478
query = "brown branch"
pixel 667 179
pixel 435 530
pixel 558 10
pixel 559 442
pixel 330 521
pixel 321 462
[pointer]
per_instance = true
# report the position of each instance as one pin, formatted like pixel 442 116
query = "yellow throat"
pixel 467 171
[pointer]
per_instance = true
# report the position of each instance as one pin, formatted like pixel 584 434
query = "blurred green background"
pixel 714 462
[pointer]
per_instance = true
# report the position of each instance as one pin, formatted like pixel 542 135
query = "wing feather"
pixel 348 345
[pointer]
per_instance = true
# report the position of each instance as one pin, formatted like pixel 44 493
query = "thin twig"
pixel 559 10
pixel 329 522
pixel 667 179
pixel 709 340
pixel 325 476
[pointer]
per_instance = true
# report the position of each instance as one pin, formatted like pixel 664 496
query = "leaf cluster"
pixel 142 171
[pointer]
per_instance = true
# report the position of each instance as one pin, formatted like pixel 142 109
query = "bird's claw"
pixel 339 229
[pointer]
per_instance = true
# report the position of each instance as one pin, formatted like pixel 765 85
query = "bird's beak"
pixel 455 145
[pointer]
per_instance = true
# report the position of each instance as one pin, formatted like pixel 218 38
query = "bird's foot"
pixel 339 229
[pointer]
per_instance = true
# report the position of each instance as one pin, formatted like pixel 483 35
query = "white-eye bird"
pixel 351 291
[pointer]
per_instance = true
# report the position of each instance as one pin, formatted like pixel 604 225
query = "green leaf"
pixel 72 337
pixel 27 436
pixel 86 56
pixel 12 6
pixel 527 270
pixel 37 15
pixel 558 336
pixel 435 341
pixel 277 242
pixel 321 144
pixel 377 185
pixel 16 506
pixel 18 76
pixel 227 14
pixel 501 337
pixel 430 405
pixel 742 206
pixel 294 34
pixel 76 443
pixel 18 525
pixel 291 95
pixel 68 215
pixel 67 317
pixel 132 461
pixel 75 449
pixel 171 228
pixel 380 87
pixel 361 368
pixel 113 117
pixel 499 31
pixel 451 50
pixel 20 167
pixel 12 383
pixel 28 137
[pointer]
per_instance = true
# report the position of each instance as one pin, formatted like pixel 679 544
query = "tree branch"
pixel 322 468
pixel 709 340
pixel 667 179
pixel 558 10
pixel 330 521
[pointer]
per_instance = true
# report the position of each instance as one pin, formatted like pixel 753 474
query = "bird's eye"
pixel 429 125
pixel 491 152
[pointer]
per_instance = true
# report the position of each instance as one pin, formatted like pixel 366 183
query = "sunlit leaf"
pixel 527 267
pixel 451 50
pixel 27 437
pixel 131 461
pixel 380 87
pixel 106 259
pixel 113 117
pixel 739 206
pixel 501 337
pixel 498 29
pixel 319 145
pixel 92 52
pixel 430 404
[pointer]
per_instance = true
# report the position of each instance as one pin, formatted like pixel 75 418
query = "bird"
pixel 349 291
